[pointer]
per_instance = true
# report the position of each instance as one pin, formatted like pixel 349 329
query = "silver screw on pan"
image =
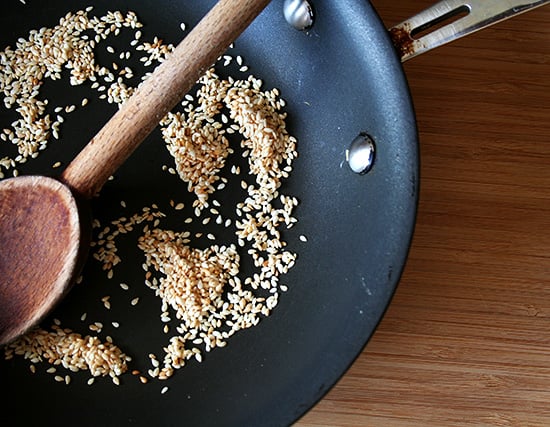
pixel 360 155
pixel 298 13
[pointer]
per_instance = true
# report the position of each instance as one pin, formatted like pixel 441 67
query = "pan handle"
pixel 449 20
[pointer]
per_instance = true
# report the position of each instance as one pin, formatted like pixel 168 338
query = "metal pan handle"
pixel 449 20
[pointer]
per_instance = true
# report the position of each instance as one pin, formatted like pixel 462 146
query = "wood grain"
pixel 466 340
pixel 33 278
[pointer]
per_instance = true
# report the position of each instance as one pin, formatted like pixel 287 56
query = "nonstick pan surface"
pixel 340 78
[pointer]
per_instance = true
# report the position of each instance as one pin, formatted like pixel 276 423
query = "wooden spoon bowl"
pixel 41 238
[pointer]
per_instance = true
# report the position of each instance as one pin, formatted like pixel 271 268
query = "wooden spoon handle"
pixel 114 143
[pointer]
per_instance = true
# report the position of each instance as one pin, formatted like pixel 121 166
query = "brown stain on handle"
pixel 402 40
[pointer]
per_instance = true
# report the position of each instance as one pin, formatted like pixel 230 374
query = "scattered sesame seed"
pixel 265 145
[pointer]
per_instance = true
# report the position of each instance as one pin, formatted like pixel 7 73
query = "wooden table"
pixel 466 340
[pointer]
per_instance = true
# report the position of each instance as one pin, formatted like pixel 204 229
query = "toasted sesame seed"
pixel 231 302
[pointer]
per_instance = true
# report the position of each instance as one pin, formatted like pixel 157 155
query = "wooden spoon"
pixel 44 223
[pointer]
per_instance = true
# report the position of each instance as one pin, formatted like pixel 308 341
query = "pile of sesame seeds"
pixel 201 290
pixel 43 55
pixel 61 347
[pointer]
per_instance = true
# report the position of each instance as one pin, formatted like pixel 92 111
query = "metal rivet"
pixel 298 13
pixel 360 155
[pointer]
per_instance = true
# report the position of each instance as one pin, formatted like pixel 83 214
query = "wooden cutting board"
pixel 466 340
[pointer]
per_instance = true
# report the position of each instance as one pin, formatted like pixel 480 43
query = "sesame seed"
pixel 106 302
pixel 223 302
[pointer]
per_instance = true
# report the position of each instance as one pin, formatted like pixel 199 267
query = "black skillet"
pixel 341 78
